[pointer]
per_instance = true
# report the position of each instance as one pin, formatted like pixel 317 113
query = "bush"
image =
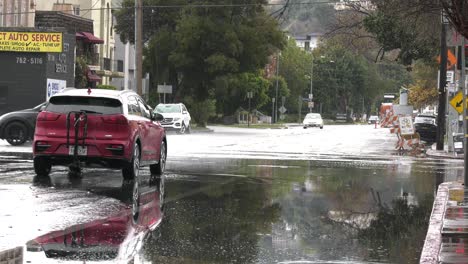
pixel 107 87
pixel 201 111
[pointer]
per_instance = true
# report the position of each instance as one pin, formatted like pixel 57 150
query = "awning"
pixel 92 77
pixel 88 37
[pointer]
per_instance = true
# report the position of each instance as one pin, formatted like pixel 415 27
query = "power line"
pixel 192 6
pixel 87 11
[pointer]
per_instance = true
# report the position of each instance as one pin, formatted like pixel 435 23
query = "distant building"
pixel 308 42
pixel 17 13
pixel 100 12
pixel 124 52
pixel 359 4
pixel 86 42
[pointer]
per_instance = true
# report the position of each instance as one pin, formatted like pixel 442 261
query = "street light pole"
pixel 249 96
pixel 272 109
pixel 465 110
pixel 138 46
pixel 275 106
pixel 311 95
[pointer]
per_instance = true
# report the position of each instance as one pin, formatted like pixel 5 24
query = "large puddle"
pixel 259 211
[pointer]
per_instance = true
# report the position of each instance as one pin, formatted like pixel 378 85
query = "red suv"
pixel 96 127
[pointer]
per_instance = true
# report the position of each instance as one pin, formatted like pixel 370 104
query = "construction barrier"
pixel 410 141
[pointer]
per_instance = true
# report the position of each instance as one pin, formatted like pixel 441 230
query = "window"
pixel 76 10
pixel 168 108
pixel 144 110
pixel 91 105
pixel 133 107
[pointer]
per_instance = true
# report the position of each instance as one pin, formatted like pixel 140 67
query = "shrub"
pixel 107 87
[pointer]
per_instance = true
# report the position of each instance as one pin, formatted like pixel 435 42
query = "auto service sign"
pixel 55 86
pixel 31 41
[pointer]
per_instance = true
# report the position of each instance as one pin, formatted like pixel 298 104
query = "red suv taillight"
pixel 115 119
pixel 47 116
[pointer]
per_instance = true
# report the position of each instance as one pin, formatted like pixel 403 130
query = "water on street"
pixel 337 195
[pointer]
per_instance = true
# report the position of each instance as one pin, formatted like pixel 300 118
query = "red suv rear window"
pixel 94 105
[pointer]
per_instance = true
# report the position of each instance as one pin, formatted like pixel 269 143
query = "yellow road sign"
pixel 457 102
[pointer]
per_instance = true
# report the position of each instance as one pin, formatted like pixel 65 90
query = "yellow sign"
pixel 457 102
pixel 31 41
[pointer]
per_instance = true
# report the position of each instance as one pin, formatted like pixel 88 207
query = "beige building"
pixel 100 11
pixel 17 13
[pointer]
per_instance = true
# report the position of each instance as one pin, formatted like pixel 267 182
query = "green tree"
pixel 424 90
pixel 231 92
pixel 196 46
pixel 295 67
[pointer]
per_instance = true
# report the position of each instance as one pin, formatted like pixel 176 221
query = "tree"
pixel 457 12
pixel 295 67
pixel 423 91
pixel 340 79
pixel 197 45
pixel 231 92
pixel 409 28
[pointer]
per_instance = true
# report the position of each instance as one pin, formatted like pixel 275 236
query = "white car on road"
pixel 313 120
pixel 176 117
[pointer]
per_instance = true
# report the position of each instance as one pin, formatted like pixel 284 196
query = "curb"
pixel 443 154
pixel 433 241
pixel 201 131
pixel 14 255
pixel 193 131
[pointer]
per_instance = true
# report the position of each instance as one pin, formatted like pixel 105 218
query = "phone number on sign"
pixel 24 60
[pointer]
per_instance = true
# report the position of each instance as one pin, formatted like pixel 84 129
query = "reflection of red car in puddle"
pixel 118 238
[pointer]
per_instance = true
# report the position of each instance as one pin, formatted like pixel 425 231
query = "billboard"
pixel 31 41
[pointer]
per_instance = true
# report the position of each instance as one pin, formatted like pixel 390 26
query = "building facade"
pixel 100 12
pixel 17 13
pixel 308 42
pixel 31 74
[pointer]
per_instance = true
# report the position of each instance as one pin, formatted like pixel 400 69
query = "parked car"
pixel 94 127
pixel 18 127
pixel 373 119
pixel 176 117
pixel 426 126
pixel 313 120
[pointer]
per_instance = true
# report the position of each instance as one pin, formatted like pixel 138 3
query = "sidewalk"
pixel 447 235
pixel 445 154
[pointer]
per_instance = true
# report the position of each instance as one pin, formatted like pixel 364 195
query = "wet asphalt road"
pixel 341 194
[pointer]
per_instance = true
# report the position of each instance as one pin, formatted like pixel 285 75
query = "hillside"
pixel 304 17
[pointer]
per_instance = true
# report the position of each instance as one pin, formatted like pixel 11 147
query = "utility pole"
pixel 311 95
pixel 276 94
pixel 138 46
pixel 300 108
pixel 465 109
pixel 442 86
pixel 249 96
pixel 272 109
